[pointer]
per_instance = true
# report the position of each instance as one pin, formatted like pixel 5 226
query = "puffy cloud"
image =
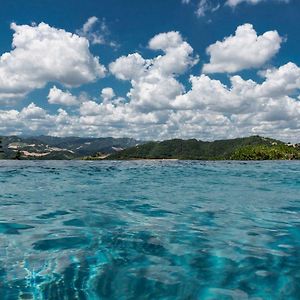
pixel 30 120
pixel 43 54
pixel 109 114
pixel 57 96
pixel 243 96
pixel 159 107
pixel 32 112
pixel 176 60
pixel 246 107
pixel 244 50
pixel 209 110
pixel 234 3
pixel 178 56
pixel 129 67
pixel 107 94
pixel 154 83
pixel 208 94
pixel 279 82
pixel 284 81
pixel 166 41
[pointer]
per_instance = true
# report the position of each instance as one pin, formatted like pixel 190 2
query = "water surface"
pixel 149 230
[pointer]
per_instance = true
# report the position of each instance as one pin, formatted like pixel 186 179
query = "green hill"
pixel 249 148
pixel 48 148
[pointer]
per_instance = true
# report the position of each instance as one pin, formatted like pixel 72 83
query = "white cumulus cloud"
pixel 244 50
pixel 43 54
pixel 107 94
pixel 245 96
pixel 153 81
pixel 159 106
pixel 57 96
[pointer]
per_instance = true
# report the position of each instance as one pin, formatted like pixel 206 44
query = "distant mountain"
pixel 47 147
pixel 249 148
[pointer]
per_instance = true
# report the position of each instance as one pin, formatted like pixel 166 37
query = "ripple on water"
pixel 13 228
pixel 149 230
pixel 61 243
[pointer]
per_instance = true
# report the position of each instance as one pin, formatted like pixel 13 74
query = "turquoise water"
pixel 149 230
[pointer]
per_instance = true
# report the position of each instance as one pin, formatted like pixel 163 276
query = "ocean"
pixel 149 230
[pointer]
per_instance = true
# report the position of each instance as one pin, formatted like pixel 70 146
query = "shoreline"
pixel 154 159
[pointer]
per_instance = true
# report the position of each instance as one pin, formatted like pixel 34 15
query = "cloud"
pixel 204 119
pixel 234 3
pixel 89 24
pixel 244 96
pixel 244 50
pixel 129 67
pixel 32 112
pixel 153 81
pixel 107 94
pixel 43 54
pixel 57 96
pixel 30 120
pixel 158 106
pixel 211 110
pixel 203 7
pixel 208 110
pixel 97 32
pixel 279 82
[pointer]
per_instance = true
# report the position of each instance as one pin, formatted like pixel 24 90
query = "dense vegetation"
pixel 250 148
pixel 262 152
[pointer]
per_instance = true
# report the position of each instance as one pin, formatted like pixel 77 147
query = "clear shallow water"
pixel 149 230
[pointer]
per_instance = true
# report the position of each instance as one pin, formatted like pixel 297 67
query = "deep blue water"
pixel 149 230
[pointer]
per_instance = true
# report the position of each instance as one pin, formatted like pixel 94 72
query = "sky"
pixel 151 70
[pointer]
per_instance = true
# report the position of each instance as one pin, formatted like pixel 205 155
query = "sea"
pixel 149 230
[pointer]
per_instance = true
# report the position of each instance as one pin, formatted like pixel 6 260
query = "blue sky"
pixel 160 100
